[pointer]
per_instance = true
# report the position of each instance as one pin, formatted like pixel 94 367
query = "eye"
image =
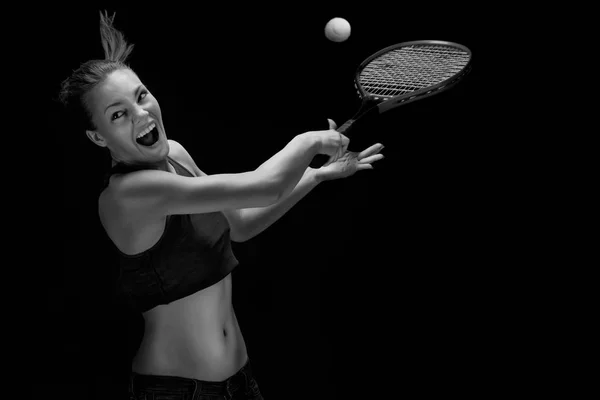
pixel 144 94
pixel 117 115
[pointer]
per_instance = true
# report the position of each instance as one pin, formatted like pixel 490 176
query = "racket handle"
pixel 320 159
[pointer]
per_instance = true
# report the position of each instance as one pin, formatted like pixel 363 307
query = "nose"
pixel 140 115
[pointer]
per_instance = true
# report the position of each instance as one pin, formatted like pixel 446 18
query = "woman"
pixel 171 225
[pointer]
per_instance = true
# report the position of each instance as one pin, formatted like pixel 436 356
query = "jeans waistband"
pixel 190 385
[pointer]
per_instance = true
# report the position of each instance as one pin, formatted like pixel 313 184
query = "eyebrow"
pixel 119 102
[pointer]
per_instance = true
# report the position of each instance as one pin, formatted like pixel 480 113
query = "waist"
pixel 195 337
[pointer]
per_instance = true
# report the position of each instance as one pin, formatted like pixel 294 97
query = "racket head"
pixel 403 73
pixel 409 71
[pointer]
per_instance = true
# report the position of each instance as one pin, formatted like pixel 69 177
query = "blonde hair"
pixel 114 44
pixel 74 90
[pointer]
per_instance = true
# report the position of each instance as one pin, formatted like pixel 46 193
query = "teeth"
pixel 146 131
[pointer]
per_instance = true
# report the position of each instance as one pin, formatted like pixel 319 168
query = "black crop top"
pixel 194 252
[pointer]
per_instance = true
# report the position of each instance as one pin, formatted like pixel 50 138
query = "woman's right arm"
pixel 158 193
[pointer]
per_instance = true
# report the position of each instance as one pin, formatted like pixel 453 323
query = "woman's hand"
pixel 347 163
pixel 331 142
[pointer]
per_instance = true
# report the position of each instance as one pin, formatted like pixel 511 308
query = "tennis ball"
pixel 337 30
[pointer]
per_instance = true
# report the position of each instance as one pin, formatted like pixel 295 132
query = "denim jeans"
pixel 241 385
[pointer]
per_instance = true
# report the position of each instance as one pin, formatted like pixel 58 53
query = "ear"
pixel 96 138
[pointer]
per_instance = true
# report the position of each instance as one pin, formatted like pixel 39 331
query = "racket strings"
pixel 412 68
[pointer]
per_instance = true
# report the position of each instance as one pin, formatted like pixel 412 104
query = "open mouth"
pixel 149 136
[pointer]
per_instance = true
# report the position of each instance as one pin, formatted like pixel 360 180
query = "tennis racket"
pixel 403 73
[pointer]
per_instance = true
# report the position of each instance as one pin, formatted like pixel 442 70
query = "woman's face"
pixel 123 110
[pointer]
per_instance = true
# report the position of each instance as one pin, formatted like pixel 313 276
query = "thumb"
pixel 332 124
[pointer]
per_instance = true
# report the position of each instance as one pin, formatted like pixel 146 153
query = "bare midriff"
pixel 194 337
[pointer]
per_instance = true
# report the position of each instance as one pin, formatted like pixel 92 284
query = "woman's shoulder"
pixel 109 194
pixel 175 148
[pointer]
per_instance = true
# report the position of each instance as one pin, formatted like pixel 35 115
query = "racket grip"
pixel 321 159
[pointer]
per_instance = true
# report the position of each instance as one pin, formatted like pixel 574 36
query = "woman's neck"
pixel 162 165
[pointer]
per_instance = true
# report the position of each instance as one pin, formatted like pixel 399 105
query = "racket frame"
pixel 384 103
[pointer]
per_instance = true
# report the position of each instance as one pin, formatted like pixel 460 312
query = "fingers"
pixel 332 124
pixel 370 159
pixel 376 148
pixel 360 167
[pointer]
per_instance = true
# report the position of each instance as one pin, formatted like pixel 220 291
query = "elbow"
pixel 241 233
pixel 238 237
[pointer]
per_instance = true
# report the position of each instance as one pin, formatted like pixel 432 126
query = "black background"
pixel 387 282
